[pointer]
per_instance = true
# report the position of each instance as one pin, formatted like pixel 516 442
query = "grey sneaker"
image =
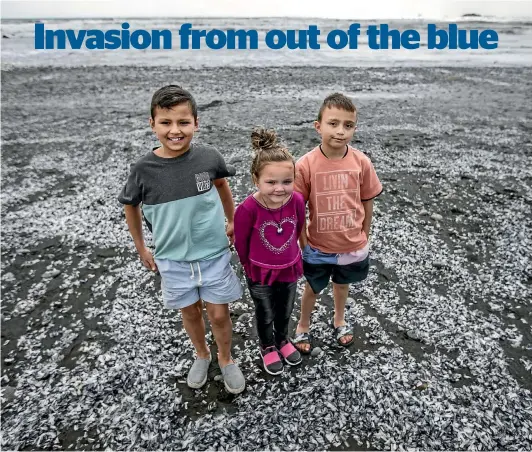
pixel 197 375
pixel 233 378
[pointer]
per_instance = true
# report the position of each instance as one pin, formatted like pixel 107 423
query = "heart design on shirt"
pixel 274 225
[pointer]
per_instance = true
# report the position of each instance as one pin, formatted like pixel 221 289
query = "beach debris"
pixel 98 363
pixel 411 334
pixel 244 318
pixel 8 393
pixel 51 273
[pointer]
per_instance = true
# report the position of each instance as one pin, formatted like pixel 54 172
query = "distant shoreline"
pixel 466 18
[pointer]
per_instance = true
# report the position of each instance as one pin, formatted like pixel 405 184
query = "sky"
pixel 337 9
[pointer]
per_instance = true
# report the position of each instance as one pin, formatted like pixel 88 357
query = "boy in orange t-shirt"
pixel 339 183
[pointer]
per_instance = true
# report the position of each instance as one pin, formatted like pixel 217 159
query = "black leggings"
pixel 273 308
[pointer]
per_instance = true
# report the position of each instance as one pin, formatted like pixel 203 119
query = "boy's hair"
pixel 171 95
pixel 337 100
pixel 267 150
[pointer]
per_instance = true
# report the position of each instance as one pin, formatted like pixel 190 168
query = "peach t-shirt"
pixel 334 190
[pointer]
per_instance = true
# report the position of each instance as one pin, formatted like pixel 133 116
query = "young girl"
pixel 267 227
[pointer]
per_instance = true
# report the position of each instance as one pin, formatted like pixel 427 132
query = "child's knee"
pixel 265 316
pixel 309 291
pixel 218 314
pixel 344 287
pixel 193 312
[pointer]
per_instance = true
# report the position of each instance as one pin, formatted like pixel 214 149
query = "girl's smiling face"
pixel 275 183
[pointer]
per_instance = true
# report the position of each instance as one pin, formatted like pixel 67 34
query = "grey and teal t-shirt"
pixel 180 204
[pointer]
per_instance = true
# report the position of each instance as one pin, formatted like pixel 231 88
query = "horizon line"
pixel 471 16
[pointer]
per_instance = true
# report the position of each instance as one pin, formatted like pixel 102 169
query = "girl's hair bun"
pixel 262 139
pixel 268 149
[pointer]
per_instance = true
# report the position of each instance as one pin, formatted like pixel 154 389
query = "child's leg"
pixel 195 327
pixel 222 329
pixel 340 292
pixel 308 300
pixel 342 276
pixel 285 295
pixel 264 312
pixel 263 297
pixel 283 304
pixel 317 276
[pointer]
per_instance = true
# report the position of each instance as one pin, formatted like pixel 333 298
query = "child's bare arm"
pixel 368 215
pixel 303 241
pixel 243 228
pixel 228 204
pixel 134 223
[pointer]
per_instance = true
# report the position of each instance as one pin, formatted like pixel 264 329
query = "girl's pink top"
pixel 266 240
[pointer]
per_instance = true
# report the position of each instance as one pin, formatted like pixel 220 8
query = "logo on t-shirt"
pixel 203 181
pixel 337 195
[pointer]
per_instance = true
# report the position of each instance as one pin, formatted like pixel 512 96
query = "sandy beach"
pixel 442 357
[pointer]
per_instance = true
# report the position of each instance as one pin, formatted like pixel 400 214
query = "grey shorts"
pixel 184 283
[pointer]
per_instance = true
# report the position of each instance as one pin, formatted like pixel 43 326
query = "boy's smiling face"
pixel 337 127
pixel 174 128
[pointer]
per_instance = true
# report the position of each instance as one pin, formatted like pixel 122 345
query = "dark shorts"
pixel 318 275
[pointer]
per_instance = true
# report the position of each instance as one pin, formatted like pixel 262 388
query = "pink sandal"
pixel 270 358
pixel 290 354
